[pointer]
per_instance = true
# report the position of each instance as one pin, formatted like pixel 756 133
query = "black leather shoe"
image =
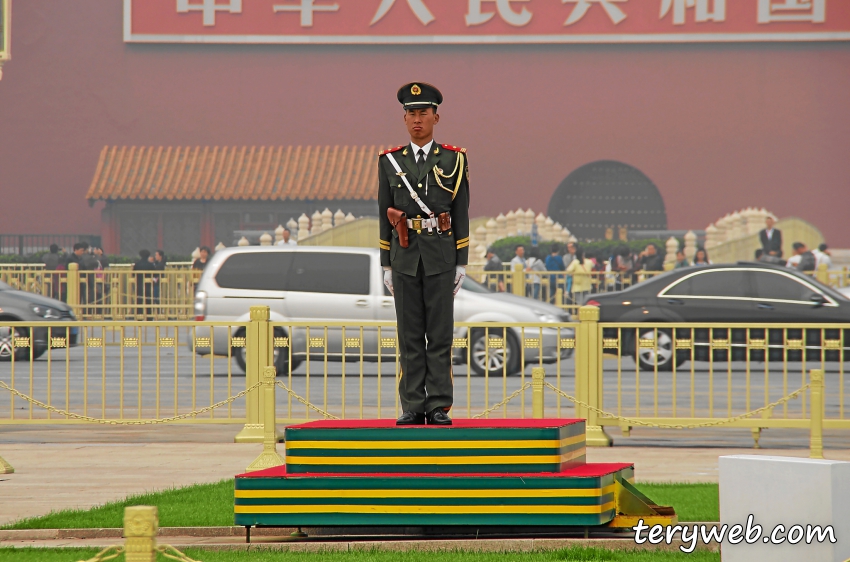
pixel 410 418
pixel 438 416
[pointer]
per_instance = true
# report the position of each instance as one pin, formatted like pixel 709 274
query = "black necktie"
pixel 421 161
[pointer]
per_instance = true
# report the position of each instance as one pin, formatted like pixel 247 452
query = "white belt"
pixel 419 224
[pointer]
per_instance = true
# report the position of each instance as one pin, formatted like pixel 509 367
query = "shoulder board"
pixel 396 149
pixel 453 148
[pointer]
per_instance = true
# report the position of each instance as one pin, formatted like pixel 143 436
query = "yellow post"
pixel 141 524
pixel 559 296
pixel 73 287
pixel 817 404
pixel 538 375
pixel 257 358
pixel 822 274
pixel 589 375
pixel 269 457
pixel 5 468
pixel 518 280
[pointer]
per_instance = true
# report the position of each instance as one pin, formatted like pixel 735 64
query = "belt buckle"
pixel 417 225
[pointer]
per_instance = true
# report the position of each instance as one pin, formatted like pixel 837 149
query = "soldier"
pixel 423 200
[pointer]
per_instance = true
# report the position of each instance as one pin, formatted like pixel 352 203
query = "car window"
pixel 326 272
pixel 720 283
pixel 261 271
pixel 770 285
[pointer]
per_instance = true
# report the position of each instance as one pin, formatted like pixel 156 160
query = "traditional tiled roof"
pixel 236 173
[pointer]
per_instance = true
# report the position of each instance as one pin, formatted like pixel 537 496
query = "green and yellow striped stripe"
pixel 478 444
pixel 396 493
pixel 429 509
pixel 439 460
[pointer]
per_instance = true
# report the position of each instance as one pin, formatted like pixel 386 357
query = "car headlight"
pixel 45 311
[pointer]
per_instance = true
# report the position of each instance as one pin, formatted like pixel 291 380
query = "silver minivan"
pixel 345 285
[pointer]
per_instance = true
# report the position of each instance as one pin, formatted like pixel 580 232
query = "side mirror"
pixel 818 300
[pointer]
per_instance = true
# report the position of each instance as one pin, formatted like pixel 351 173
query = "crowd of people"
pixel 802 259
pixel 579 272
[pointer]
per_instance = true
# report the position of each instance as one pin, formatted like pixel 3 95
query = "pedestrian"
pixel 650 259
pixel 555 263
pixel 100 286
pixel 701 257
pixel 201 262
pixel 771 238
pixel 570 255
pixel 623 265
pixel 423 198
pixel 581 270
pixel 144 280
pixel 495 264
pixel 681 260
pixel 519 257
pixel 803 259
pixel 52 260
pixel 823 256
pixel 159 263
pixel 535 264
pixel 287 239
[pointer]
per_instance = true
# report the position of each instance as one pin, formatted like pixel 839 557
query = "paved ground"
pixel 61 467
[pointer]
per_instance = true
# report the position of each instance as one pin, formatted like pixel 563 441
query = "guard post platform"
pixel 517 474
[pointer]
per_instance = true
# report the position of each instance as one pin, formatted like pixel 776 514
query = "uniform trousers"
pixel 424 307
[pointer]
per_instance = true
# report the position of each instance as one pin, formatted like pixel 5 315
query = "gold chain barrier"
pixel 307 403
pixel 513 395
pixel 632 421
pixel 109 553
pixel 81 417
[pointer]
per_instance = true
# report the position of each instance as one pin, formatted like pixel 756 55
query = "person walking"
pixel 581 270
pixel 52 260
pixel 159 263
pixel 495 264
pixel 554 262
pixel 423 201
pixel 144 280
pixel 681 260
pixel 534 263
pixel 701 257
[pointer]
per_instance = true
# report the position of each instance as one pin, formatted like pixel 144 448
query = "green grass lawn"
pixel 578 554
pixel 211 505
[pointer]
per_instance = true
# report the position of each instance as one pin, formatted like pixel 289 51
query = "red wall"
pixel 716 127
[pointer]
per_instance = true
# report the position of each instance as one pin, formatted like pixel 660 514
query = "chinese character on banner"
pixel 702 14
pixel 582 6
pixel 792 10
pixel 209 8
pixel 420 10
pixel 306 7
pixel 477 17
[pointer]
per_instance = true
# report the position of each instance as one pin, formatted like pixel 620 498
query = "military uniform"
pixel 423 274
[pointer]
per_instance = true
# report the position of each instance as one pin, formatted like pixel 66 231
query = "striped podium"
pixel 476 472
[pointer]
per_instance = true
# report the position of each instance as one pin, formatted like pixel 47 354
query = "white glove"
pixel 460 273
pixel 388 280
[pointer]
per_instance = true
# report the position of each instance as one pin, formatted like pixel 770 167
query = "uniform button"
pixel 420 185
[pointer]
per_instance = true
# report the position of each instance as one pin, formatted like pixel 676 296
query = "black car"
pixel 21 306
pixel 754 293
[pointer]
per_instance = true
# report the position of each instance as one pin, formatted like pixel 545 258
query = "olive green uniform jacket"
pixel 444 186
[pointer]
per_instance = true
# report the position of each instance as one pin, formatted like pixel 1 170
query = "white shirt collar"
pixel 426 148
pixel 769 232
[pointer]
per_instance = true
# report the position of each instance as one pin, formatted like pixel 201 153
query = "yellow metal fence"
pixel 613 374
pixel 119 293
pixel 112 294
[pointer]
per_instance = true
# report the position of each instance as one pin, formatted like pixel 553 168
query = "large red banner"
pixel 484 21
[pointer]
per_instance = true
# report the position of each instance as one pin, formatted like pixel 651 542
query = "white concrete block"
pixel 785 491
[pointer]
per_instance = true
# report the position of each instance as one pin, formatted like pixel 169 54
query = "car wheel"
pixel 493 359
pixel 281 357
pixel 662 353
pixel 7 349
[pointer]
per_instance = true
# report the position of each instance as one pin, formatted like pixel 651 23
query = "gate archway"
pixel 607 194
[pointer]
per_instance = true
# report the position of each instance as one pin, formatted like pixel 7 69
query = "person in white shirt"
pixel 822 256
pixel 519 258
pixel 287 239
